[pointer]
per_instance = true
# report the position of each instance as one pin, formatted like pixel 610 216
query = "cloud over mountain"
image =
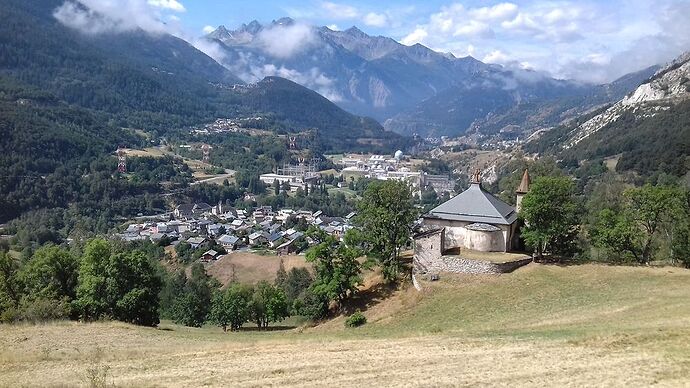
pixel 283 41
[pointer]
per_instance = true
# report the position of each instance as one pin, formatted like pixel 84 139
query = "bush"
pixel 9 315
pixel 356 319
pixel 311 305
pixel 43 310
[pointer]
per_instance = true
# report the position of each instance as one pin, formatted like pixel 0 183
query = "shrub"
pixel 43 310
pixel 356 319
pixel 9 315
pixel 311 305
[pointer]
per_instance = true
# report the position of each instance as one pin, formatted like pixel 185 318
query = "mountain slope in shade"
pixel 154 81
pixel 300 109
pixel 367 75
pixel 648 130
pixel 118 73
pixel 528 116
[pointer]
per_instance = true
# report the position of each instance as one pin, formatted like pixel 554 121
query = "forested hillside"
pixel 137 77
pixel 647 131
pixel 147 81
pixel 660 143
pixel 298 107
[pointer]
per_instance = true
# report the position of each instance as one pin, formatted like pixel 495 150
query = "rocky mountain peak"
pixel 356 32
pixel 253 27
pixel 670 82
pixel 284 21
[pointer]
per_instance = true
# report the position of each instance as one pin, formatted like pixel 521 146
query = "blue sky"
pixel 588 40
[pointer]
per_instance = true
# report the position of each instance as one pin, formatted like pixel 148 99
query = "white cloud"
pixel 333 27
pixel 416 36
pixel 587 40
pixel 375 19
pixel 210 48
pixel 313 78
pixel 96 17
pixel 283 41
pixel 498 12
pixel 172 5
pixel 497 56
pixel 208 29
pixel 474 29
pixel 379 18
pixel 339 11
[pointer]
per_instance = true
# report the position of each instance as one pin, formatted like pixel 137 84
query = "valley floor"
pixel 540 326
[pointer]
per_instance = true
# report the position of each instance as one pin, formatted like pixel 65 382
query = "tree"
pixel 10 286
pixel 551 216
pixel 338 273
pixel 268 304
pixel 121 285
pixel 232 307
pixel 51 273
pixel 281 275
pixel 276 187
pixel 133 285
pixel 680 246
pixel 92 298
pixel 648 208
pixel 634 226
pixel 385 217
pixel 191 308
pixel 617 232
pixel 297 280
pixel 173 287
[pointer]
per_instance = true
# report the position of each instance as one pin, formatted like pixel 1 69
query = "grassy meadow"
pixel 542 325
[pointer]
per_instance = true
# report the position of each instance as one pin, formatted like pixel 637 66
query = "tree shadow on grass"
pixel 368 298
pixel 561 261
pixel 270 328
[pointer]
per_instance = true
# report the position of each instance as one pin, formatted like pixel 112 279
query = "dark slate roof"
pixel 185 207
pixel 227 239
pixel 475 205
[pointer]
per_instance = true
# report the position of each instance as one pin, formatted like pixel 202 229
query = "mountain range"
pixel 411 89
pixel 158 81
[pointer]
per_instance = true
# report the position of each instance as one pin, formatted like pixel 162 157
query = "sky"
pixel 587 40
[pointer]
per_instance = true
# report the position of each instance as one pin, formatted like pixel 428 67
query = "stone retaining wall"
pixel 457 264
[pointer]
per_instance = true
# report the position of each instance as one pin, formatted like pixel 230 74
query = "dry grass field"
pixel 540 326
pixel 247 267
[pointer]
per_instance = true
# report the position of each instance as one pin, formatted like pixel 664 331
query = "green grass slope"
pixel 540 326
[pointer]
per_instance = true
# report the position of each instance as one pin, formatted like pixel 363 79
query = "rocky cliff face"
pixel 666 88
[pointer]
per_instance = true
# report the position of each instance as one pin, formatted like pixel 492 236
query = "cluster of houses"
pixel 396 168
pixel 237 229
pixel 223 125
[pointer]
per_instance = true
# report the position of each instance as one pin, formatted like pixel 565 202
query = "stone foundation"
pixel 457 264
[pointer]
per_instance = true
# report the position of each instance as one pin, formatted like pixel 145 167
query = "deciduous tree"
pixel 338 273
pixel 385 217
pixel 551 216
pixel 232 307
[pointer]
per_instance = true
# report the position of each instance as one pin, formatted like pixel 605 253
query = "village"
pixel 224 229
pixel 212 231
